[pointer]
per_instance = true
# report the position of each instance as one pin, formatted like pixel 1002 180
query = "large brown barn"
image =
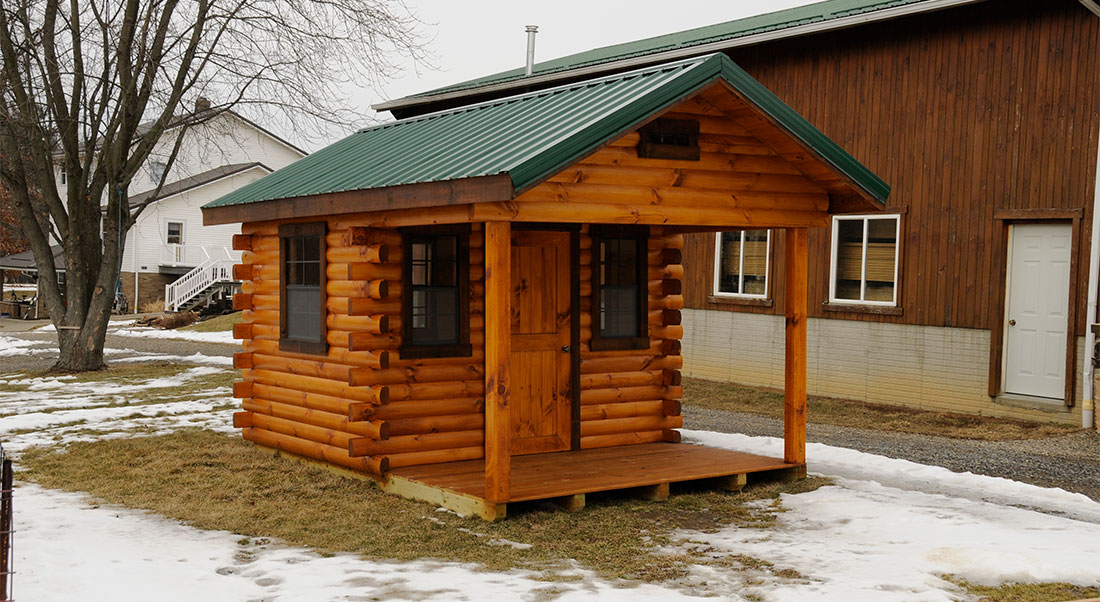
pixel 973 290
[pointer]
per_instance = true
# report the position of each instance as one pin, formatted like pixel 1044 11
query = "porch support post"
pixel 498 327
pixel 794 396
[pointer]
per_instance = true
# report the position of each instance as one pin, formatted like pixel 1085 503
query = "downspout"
pixel 134 267
pixel 1088 392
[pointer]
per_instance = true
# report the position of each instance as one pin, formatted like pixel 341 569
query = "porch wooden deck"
pixel 567 476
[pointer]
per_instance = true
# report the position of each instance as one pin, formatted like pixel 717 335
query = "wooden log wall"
pixel 632 396
pixel 360 406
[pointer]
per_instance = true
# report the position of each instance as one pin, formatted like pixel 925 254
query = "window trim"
pixel 168 232
pixel 741 268
pixel 835 240
pixel 286 232
pixel 462 348
pixel 641 236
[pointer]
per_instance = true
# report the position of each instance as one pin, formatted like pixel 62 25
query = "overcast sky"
pixel 473 39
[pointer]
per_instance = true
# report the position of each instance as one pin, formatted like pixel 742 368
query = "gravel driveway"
pixel 1071 462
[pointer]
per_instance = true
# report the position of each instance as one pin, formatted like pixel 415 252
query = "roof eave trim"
pixel 680 53
pixel 464 191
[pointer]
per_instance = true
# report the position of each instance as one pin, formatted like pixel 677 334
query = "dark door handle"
pixel 566 348
pixel 1012 322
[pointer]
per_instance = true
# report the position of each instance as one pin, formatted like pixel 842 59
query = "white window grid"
pixel 741 269
pixel 866 218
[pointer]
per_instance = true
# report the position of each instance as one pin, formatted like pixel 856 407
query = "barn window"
pixel 741 262
pixel 436 310
pixel 619 289
pixel 669 139
pixel 864 267
pixel 302 288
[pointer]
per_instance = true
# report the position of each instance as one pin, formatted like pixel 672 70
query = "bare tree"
pixel 91 86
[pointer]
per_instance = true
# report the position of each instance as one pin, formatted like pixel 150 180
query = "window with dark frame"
pixel 676 139
pixel 175 233
pixel 302 290
pixel 619 290
pixel 436 307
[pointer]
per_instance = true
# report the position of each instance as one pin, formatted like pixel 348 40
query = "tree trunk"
pixel 81 350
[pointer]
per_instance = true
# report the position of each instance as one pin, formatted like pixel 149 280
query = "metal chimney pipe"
pixel 531 31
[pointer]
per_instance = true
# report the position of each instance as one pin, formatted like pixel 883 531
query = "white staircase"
pixel 211 278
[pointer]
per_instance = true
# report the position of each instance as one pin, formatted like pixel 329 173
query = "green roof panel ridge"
pixel 528 137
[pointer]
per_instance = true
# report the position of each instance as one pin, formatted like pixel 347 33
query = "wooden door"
pixel 1036 310
pixel 541 401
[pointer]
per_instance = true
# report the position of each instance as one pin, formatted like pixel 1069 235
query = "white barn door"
pixel 1036 306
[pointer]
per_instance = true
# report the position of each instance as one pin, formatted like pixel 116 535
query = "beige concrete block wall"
pixel 942 369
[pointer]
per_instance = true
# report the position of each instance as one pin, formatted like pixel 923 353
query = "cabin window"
pixel 436 308
pixel 174 233
pixel 864 266
pixel 619 289
pixel 669 139
pixel 302 290
pixel 741 263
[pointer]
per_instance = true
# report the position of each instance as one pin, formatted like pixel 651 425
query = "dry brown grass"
pixel 1028 592
pixel 216 324
pixel 858 414
pixel 152 307
pixel 214 481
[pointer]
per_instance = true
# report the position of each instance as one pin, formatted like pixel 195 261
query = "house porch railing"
pixel 214 269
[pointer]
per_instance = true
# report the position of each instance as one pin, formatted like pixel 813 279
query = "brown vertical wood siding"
pixel 966 113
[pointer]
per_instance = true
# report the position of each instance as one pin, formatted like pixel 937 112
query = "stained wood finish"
pixel 794 390
pixel 496 484
pixel 589 471
pixel 970 115
pixel 541 397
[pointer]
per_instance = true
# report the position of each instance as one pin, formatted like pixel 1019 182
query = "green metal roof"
pixel 527 137
pixel 785 19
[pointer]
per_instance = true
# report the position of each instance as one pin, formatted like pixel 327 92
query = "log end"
pixel 242 420
pixel 242 389
pixel 242 361
pixel 241 301
pixel 670 436
pixel 242 242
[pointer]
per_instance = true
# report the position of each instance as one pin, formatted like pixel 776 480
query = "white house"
pixel 168 243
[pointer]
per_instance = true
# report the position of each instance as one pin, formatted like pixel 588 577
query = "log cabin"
pixel 482 305
pixel 982 289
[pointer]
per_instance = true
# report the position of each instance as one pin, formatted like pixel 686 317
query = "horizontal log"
pixel 412 443
pixel 317 451
pixel 242 330
pixel 242 420
pixel 354 288
pixel 667 302
pixel 438 456
pixel 242 271
pixel 242 389
pixel 415 374
pixel 376 324
pixel 242 242
pixel 300 367
pixel 666 317
pixel 312 401
pixel 410 391
pixel 424 408
pixel 606 380
pixel 620 439
pixel 242 361
pixel 436 424
pixel 375 253
pixel 667 257
pixel 242 301
pixel 301 430
pixel 323 386
pixel 634 424
pixel 360 235
pixel 666 272
pixel 666 332
pixel 376 289
pixel 610 411
pixel 671 436
pixel 377 430
pixel 621 394
pixel 364 341
pixel 356 272
pixel 660 288
pixel 334 355
pixel 666 241
pixel 671 378
pixel 636 363
pixel 370 307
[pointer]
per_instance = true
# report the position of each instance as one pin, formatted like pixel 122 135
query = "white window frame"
pixel 863 260
pixel 183 230
pixel 741 267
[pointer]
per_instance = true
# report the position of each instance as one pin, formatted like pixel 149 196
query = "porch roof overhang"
pixel 494 151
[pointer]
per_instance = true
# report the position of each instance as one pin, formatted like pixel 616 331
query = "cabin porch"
pixel 565 477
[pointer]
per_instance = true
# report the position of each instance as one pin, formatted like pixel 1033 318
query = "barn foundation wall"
pixel 922 367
